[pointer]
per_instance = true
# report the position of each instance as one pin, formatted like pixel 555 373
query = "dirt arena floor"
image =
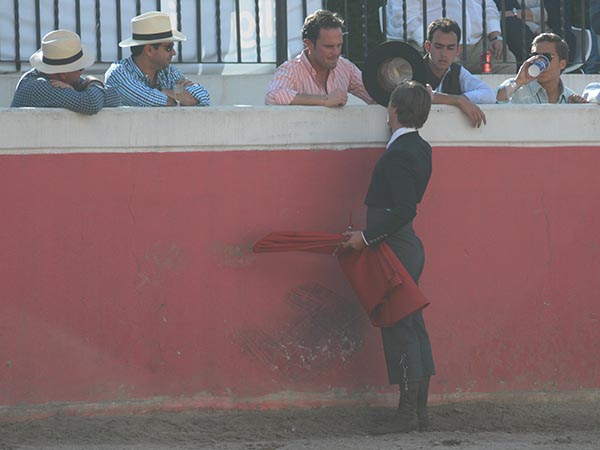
pixel 472 425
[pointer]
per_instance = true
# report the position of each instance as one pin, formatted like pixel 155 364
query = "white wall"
pixel 228 128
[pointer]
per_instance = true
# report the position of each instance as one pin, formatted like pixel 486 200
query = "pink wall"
pixel 130 276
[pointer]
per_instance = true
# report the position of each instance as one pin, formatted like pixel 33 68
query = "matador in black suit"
pixel 397 185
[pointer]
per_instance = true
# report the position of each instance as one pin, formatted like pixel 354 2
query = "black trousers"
pixel 406 344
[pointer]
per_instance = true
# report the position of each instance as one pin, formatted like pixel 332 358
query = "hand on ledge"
pixel 576 98
pixel 336 98
pixel 473 112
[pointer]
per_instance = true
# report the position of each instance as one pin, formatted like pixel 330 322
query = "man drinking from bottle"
pixel 538 79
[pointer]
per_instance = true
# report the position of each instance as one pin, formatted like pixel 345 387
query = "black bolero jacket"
pixel 397 185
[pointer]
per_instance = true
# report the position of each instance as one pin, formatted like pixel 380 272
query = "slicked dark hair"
pixel 412 102
pixel 320 19
pixel 444 25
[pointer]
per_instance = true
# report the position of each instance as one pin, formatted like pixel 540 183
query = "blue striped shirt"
pixel 136 88
pixel 35 90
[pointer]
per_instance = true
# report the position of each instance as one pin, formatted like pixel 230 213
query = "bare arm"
pixel 335 98
pixel 508 89
pixel 475 115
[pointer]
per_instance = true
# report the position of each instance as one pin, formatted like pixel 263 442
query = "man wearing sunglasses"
pixel 547 87
pixel 147 77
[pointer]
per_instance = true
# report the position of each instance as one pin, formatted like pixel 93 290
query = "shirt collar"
pixel 562 98
pixel 399 132
pixel 39 74
pixel 134 67
pixel 540 91
pixel 161 75
pixel 306 62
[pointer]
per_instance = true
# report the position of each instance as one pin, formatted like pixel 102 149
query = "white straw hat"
pixel 61 52
pixel 151 28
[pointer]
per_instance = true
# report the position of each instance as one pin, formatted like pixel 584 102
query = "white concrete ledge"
pixel 250 88
pixel 267 128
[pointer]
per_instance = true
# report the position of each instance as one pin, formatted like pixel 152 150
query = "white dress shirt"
pixel 414 18
pixel 476 90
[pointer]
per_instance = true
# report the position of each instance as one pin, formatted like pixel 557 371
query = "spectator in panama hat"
pixel 56 79
pixel 147 78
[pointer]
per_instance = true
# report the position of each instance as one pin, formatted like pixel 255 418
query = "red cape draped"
pixel 385 289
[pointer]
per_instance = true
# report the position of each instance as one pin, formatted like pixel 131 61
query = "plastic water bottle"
pixel 538 66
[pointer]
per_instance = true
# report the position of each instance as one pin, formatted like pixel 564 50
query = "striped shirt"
pixel 298 76
pixel 136 88
pixel 35 90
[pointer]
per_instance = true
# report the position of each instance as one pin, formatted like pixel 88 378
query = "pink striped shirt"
pixel 299 77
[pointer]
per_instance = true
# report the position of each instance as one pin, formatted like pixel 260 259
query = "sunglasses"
pixel 168 47
pixel 547 55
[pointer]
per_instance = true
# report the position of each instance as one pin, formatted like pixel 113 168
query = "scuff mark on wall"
pixel 325 330
pixel 235 255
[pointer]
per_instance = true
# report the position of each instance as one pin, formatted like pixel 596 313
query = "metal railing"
pixel 218 31
pixel 226 31
pixel 517 28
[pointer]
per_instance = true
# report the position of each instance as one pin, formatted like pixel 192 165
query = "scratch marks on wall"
pixel 325 330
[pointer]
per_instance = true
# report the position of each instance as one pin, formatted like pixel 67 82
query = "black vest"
pixel 451 84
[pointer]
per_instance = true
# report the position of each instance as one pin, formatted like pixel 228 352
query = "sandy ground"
pixel 474 426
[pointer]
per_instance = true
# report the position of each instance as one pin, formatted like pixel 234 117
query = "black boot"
pixel 422 404
pixel 405 419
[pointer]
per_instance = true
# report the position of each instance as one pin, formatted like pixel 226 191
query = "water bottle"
pixel 538 66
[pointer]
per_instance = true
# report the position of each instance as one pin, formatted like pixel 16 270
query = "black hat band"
pixel 62 61
pixel 151 37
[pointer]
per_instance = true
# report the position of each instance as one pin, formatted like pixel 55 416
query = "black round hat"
pixel 388 64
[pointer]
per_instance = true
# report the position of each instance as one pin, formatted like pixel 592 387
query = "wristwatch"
pixel 496 38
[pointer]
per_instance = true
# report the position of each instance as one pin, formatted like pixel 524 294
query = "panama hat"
pixel 151 28
pixel 61 52
pixel 388 64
